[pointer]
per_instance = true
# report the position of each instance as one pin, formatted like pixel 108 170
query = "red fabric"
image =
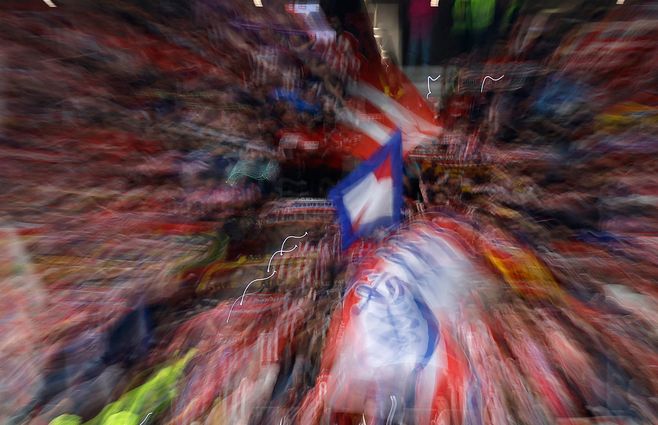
pixel 450 392
pixel 352 142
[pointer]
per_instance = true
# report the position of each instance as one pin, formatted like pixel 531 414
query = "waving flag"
pixel 381 99
pixel 372 114
pixel 393 339
pixel 371 196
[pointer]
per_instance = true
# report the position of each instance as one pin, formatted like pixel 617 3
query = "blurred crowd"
pixel 159 160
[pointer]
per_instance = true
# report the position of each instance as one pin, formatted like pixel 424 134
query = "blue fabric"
pixel 600 237
pixel 392 149
pixel 292 96
pixel 433 329
pixel 558 95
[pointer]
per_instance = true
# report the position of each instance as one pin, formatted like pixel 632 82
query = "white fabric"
pixel 370 200
pixel 415 130
pixel 359 121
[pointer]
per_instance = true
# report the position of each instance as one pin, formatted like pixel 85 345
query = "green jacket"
pixel 147 400
pixel 472 15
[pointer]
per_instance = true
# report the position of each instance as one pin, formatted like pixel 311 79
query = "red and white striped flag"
pixel 381 99
pixel 371 116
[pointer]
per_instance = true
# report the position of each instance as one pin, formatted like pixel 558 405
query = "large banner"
pixel 390 351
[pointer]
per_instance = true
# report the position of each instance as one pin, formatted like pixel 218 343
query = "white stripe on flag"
pixel 410 123
pixel 361 122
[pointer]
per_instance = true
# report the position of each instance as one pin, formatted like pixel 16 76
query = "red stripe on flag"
pixel 384 171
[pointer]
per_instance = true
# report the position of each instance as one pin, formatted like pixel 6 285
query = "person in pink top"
pixel 420 31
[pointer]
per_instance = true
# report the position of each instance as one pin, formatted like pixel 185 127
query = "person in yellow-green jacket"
pixel 471 19
pixel 141 404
